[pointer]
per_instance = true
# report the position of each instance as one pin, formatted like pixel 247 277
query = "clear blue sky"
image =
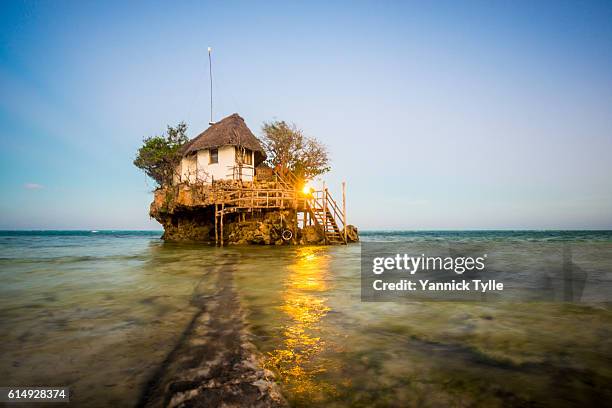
pixel 443 115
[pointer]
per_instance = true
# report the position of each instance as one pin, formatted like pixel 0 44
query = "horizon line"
pixel 361 230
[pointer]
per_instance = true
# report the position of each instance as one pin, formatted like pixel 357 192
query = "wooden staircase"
pixel 326 214
pixel 319 205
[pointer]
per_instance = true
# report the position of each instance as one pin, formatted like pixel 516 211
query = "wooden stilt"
pixel 222 212
pixel 324 213
pixel 216 231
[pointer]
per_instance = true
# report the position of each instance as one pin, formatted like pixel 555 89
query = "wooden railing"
pixel 286 177
pixel 251 198
pixel 244 172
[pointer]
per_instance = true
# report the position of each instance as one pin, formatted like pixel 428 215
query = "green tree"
pixel 287 146
pixel 159 155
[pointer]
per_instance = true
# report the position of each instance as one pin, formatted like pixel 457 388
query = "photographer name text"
pixel 476 285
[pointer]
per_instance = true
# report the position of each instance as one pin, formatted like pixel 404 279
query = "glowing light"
pixel 307 190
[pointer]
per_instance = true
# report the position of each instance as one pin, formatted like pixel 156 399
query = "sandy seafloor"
pixel 100 313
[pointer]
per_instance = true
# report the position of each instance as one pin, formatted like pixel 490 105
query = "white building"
pixel 227 150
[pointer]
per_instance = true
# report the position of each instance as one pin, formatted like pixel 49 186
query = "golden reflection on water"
pixel 304 304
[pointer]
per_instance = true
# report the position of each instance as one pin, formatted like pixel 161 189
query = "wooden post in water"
pixel 222 212
pixel 344 208
pixel 324 213
pixel 216 231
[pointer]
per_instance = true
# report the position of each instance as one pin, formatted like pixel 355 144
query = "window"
pixel 244 156
pixel 213 156
pixel 248 157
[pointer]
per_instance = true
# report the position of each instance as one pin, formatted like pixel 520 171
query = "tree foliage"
pixel 159 155
pixel 287 146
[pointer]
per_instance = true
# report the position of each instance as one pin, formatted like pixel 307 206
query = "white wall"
pixel 190 168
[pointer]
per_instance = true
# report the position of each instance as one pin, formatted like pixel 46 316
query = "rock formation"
pixel 187 213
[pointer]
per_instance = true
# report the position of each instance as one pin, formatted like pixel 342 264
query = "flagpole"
pixel 211 85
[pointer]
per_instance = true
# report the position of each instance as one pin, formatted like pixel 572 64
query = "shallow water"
pixel 99 312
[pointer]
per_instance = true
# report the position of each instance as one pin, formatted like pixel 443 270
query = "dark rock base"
pixel 254 228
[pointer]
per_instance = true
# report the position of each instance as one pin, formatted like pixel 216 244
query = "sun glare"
pixel 307 189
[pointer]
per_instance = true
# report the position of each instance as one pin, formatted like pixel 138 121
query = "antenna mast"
pixel 211 85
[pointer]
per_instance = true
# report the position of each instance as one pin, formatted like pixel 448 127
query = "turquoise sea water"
pixel 100 311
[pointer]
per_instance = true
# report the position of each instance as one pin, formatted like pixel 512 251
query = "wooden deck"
pixel 283 192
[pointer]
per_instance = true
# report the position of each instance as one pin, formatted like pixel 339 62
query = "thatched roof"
pixel 229 131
